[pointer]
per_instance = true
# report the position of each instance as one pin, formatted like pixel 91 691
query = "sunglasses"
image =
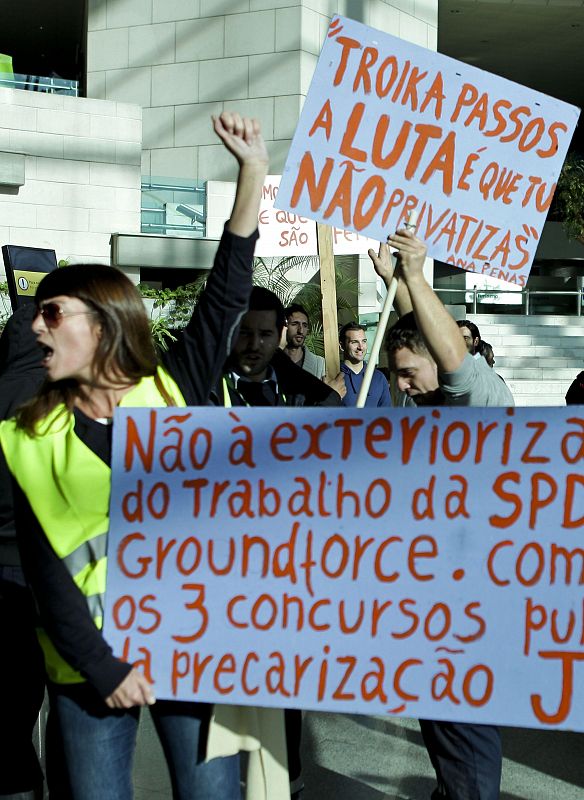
pixel 53 314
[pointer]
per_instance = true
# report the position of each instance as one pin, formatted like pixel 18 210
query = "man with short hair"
pixel 353 344
pixel 431 360
pixel 433 366
pixel 414 367
pixel 257 373
pixel 297 328
pixel 475 344
pixel 486 351
pixel 470 334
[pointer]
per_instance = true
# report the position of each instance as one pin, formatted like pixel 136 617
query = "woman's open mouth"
pixel 47 354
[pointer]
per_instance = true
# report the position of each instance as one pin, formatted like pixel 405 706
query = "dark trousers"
pixel 293 724
pixel 22 678
pixel 467 759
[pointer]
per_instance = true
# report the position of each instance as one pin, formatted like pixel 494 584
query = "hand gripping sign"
pixel 389 128
pixel 378 562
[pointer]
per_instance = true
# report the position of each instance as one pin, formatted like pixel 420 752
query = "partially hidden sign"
pixel 281 234
pixel 389 128
pixel 25 268
pixel 287 234
pixel 426 563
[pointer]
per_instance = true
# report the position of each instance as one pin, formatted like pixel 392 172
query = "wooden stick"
pixel 381 327
pixel 328 288
pixel 377 342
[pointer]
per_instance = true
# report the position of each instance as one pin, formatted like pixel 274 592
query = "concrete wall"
pixel 81 172
pixel 183 60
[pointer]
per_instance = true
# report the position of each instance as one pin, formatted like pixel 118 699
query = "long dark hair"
pixel 125 351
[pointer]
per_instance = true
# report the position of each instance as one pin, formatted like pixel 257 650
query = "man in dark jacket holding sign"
pixel 258 373
pixel 432 366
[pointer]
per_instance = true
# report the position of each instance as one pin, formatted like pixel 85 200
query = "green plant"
pixel 273 274
pixel 172 308
pixel 569 197
pixel 161 333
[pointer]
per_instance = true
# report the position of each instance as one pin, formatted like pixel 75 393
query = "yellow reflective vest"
pixel 68 488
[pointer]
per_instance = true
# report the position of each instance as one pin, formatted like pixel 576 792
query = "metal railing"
pixel 38 83
pixel 173 205
pixel 526 298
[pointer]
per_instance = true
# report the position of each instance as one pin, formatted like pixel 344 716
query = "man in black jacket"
pixel 258 373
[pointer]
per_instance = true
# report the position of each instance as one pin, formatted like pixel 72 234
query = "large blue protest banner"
pixel 427 563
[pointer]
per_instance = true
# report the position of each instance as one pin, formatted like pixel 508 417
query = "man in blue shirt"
pixel 353 344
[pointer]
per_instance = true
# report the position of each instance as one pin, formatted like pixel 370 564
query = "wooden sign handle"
pixel 328 288
pixel 373 354
pixel 411 224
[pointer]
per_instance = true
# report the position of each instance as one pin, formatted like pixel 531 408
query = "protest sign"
pixel 388 128
pixel 282 234
pixel 426 563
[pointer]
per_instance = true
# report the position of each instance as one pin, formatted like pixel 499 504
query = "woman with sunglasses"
pixel 98 354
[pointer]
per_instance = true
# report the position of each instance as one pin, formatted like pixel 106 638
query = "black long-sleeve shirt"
pixel 195 362
pixel 21 375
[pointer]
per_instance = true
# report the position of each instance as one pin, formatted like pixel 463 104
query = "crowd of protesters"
pixel 96 353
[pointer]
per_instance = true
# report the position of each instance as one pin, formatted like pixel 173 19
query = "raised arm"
pixel 196 359
pixel 439 330
pixel 383 263
pixel 243 138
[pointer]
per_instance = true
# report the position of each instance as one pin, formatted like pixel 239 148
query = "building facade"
pixel 152 72
pixel 183 60
pixel 171 64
